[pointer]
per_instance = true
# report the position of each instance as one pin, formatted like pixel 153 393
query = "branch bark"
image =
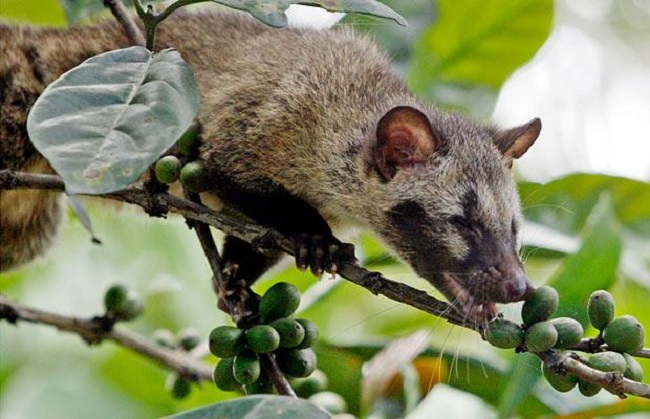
pixel 94 331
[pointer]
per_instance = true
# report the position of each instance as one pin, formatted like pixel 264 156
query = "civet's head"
pixel 449 203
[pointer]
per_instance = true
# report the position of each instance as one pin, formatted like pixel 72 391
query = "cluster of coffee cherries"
pixel 618 339
pixel 287 339
pixel 169 169
pixel 191 173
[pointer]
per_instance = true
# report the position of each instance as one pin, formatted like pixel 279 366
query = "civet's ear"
pixel 404 138
pixel 514 142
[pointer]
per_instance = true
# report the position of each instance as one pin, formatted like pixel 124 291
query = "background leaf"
pixel 257 407
pixel 39 12
pixel 594 266
pixel 103 123
pixel 565 203
pixel 77 11
pixel 518 383
pixel 478 42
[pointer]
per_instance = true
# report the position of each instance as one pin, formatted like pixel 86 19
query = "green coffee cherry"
pixel 261 386
pixel 188 339
pixel 308 386
pixel 115 297
pixel 291 332
pixel 587 388
pixel 164 338
pixel 311 334
pixel 226 341
pixel 569 332
pixel 624 334
pixel 540 337
pixel 601 309
pixel 504 334
pixel 178 387
pixel 281 300
pixel 540 306
pixel 297 362
pixel 262 339
pixel 224 377
pixel 189 141
pixel 133 307
pixel 168 169
pixel 330 401
pixel 246 368
pixel 194 177
pixel 633 370
pixel 607 362
pixel 561 383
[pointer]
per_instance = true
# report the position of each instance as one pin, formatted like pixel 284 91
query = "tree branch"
pixel 265 238
pixel 124 18
pixel 563 362
pixel 97 329
pixel 261 237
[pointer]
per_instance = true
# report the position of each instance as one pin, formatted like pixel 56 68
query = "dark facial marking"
pixel 408 217
pixel 468 224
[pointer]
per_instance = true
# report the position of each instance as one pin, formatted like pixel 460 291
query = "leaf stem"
pixel 151 19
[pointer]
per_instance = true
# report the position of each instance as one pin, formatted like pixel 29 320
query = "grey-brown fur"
pixel 297 112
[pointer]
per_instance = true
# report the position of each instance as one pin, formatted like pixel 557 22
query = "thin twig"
pixel 207 243
pixel 124 18
pixel 278 380
pixel 92 330
pixel 211 252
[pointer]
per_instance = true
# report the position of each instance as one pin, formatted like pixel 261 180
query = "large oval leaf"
pixel 257 407
pixel 479 42
pixel 271 12
pixel 594 266
pixel 103 123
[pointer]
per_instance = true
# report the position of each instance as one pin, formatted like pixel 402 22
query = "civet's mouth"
pixel 476 294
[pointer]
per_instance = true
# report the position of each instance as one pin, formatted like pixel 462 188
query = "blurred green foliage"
pixel 35 12
pixel 468 45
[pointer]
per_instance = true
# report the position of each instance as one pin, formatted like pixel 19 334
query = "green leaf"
pixel 39 12
pixel 103 123
pixel 343 368
pixel 565 203
pixel 519 383
pixel 271 12
pixel 257 407
pixel 479 42
pixel 594 266
pixel 76 11
pixel 396 41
